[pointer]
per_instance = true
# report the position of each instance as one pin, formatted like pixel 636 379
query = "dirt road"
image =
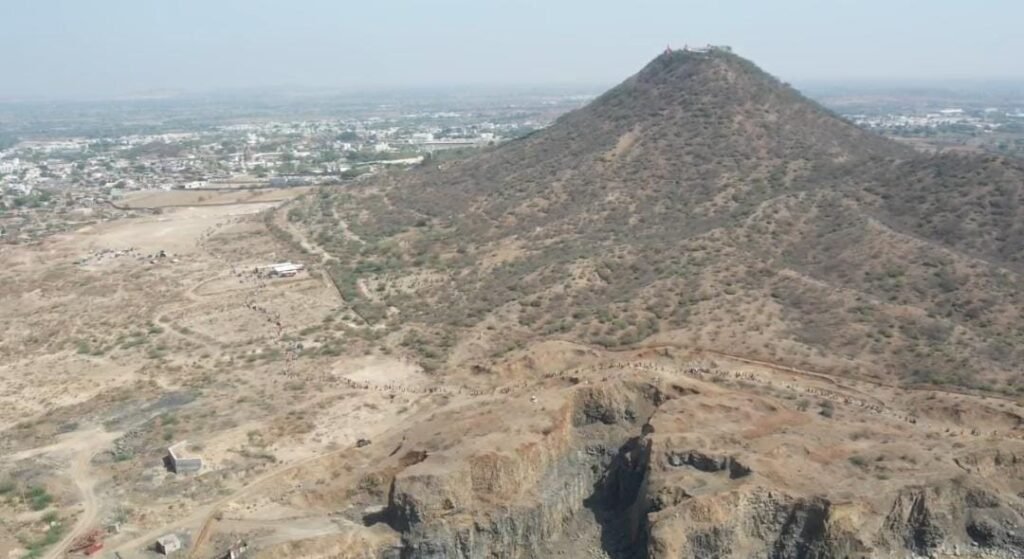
pixel 81 474
pixel 205 512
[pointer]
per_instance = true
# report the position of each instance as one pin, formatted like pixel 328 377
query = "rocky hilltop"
pixel 668 453
pixel 700 199
pixel 700 317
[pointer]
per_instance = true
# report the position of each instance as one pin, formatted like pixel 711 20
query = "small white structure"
pixel 177 462
pixel 707 48
pixel 236 551
pixel 285 269
pixel 168 544
pixel 10 165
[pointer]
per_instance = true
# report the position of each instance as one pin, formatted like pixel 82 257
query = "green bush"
pixel 38 498
pixel 859 461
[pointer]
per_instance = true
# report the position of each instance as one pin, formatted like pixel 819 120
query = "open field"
pixel 701 317
pixel 125 336
pixel 210 197
pixel 122 338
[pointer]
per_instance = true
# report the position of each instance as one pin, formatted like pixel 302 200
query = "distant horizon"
pixel 64 49
pixel 863 84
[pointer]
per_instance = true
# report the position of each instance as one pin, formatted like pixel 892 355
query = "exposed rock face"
pixel 635 473
pixel 645 464
pixel 708 503
pixel 745 523
pixel 924 518
pixel 706 463
pixel 512 496
pixel 914 521
pixel 436 512
pixel 705 205
pixel 598 464
pixel 757 522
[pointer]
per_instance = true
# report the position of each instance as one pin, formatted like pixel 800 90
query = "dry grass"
pixel 700 199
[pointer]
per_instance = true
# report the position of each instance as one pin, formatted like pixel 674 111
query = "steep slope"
pixel 688 123
pixel 700 200
pixel 665 453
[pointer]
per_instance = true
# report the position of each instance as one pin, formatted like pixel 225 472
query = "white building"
pixel 178 463
pixel 10 165
pixel 168 544
pixel 285 269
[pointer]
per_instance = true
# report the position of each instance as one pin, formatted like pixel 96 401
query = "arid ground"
pixel 124 337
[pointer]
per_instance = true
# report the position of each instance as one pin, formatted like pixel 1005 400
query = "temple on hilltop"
pixel 705 49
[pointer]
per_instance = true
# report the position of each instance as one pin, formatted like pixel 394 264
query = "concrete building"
pixel 10 165
pixel 176 461
pixel 168 544
pixel 278 182
pixel 285 269
pixel 236 551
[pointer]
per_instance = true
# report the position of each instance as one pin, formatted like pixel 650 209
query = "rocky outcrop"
pixel 754 521
pixel 928 519
pixel 707 463
pixel 619 502
pixel 622 471
pixel 440 516
pixel 749 522
pixel 914 522
pixel 512 495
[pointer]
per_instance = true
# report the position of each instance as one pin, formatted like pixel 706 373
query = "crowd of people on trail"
pixel 102 255
pixel 213 230
pixel 599 372
pixel 396 388
pixel 254 295
pixel 399 388
pixel 290 348
pixel 709 371
pixel 107 254
pixel 704 371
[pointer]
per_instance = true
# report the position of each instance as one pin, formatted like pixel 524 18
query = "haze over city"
pixel 69 49
pixel 486 279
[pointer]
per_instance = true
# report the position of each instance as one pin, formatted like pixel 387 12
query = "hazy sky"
pixel 70 48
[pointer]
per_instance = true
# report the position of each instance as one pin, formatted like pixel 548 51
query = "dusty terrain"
pixel 273 382
pixel 511 377
pixel 702 196
pixel 122 338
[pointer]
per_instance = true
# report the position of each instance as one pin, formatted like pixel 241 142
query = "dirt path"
pixel 281 220
pixel 841 382
pixel 81 474
pixel 345 231
pixel 202 515
pixel 205 512
pixel 292 530
pixel 86 484
pixel 206 342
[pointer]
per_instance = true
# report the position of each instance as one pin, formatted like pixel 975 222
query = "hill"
pixel 700 201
